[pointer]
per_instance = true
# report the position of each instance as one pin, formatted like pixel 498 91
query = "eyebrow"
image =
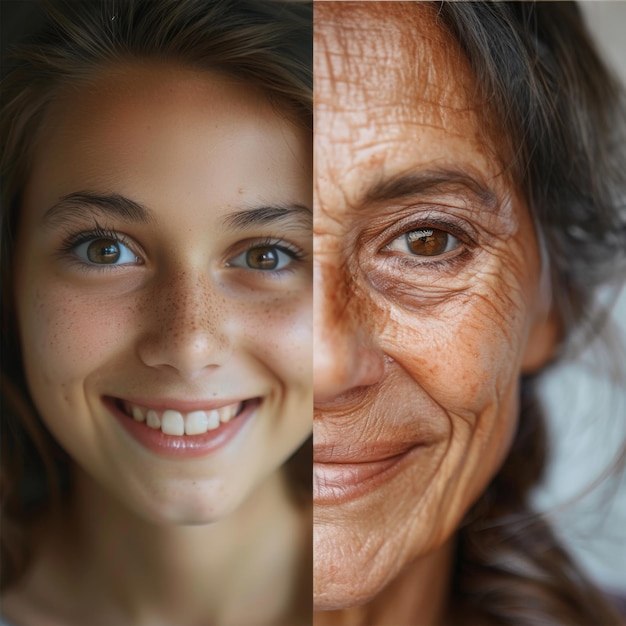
pixel 74 205
pixel 430 183
pixel 271 214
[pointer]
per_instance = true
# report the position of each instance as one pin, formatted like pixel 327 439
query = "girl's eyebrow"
pixel 262 215
pixel 75 204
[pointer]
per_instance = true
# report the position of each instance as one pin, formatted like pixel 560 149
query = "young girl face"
pixel 163 286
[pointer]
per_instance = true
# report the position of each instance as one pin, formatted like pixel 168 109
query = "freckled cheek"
pixel 278 332
pixel 67 334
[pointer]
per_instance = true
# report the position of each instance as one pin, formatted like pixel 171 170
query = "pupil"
pixel 103 251
pixel 427 242
pixel 265 258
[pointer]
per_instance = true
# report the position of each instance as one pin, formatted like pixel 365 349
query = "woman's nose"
pixel 344 356
pixel 187 330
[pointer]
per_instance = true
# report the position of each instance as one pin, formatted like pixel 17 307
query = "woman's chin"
pixel 343 583
pixel 333 596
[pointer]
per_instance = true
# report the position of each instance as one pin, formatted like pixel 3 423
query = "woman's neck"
pixel 419 595
pixel 101 559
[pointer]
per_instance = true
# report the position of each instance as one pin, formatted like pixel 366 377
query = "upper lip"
pixel 183 406
pixel 346 454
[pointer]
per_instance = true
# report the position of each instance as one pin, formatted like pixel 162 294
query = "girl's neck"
pixel 101 559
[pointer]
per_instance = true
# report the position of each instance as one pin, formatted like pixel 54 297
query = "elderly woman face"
pixel 429 298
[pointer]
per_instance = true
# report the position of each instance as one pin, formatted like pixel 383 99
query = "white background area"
pixel 587 410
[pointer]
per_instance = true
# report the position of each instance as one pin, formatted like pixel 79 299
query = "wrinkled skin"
pixel 416 356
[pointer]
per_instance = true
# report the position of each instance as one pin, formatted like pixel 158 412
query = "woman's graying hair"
pixel 564 119
pixel 563 116
pixel 263 43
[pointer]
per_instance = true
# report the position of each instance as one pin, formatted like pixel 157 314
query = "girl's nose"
pixel 187 330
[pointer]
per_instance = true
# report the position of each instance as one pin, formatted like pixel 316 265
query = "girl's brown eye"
pixel 424 242
pixel 263 258
pixel 269 258
pixel 103 251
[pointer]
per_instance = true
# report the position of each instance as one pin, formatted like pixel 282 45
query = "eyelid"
pixel 393 221
pixel 459 228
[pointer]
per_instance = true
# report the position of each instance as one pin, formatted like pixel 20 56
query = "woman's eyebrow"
pixel 76 204
pixel 271 214
pixel 429 183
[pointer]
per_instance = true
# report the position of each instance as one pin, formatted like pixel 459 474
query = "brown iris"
pixel 103 251
pixel 262 258
pixel 427 241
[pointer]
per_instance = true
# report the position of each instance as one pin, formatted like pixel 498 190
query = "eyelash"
pixel 73 240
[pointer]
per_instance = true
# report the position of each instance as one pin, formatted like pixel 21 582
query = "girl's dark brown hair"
pixel 266 43
pixel 564 119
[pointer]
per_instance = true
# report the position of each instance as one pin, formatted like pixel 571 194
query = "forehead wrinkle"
pixel 391 53
pixel 426 83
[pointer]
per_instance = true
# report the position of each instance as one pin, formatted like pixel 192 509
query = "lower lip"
pixel 185 446
pixel 336 483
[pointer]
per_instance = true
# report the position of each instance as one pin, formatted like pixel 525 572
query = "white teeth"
pixel 152 419
pixel 172 423
pixel 213 418
pixel 138 414
pixel 196 423
pixel 228 412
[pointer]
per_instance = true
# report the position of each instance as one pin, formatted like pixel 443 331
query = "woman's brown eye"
pixel 424 242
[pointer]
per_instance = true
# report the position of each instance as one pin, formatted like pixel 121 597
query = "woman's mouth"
pixel 174 422
pixel 337 480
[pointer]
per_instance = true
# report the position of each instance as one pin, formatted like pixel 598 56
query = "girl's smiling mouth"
pixel 182 429
pixel 175 422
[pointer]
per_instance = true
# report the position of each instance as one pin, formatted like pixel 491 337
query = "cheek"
pixel 279 334
pixel 465 351
pixel 465 355
pixel 67 334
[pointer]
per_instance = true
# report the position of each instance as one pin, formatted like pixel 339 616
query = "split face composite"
pixel 219 295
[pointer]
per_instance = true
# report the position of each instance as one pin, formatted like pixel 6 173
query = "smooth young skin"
pixel 417 353
pixel 181 316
